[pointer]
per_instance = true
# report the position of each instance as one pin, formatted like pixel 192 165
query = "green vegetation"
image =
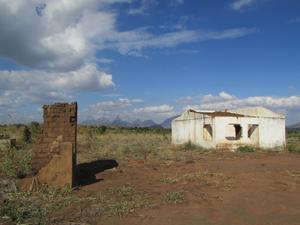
pixel 293 141
pixel 19 212
pixel 34 207
pixel 148 146
pixel 173 197
pixel 26 135
pixel 35 129
pixel 246 149
pixel 16 163
pixel 294 148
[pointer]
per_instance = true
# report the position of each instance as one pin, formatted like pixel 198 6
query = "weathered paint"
pixel 269 132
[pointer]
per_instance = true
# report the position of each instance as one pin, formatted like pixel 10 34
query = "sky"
pixel 148 59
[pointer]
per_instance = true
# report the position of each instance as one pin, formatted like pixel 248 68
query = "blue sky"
pixel 148 59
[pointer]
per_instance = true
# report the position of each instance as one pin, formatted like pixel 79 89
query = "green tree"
pixel 26 135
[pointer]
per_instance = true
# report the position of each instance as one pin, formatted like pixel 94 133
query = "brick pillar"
pixel 60 126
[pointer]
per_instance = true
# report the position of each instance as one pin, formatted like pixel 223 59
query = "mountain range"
pixel 149 123
pixel 123 123
pixel 294 127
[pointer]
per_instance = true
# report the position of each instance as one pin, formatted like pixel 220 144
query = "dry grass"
pixel 204 178
pixel 119 144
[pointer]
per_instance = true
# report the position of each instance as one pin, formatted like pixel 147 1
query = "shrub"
pixel 16 163
pixel 189 146
pixel 294 148
pixel 35 128
pixel 173 197
pixel 101 129
pixel 246 149
pixel 19 212
pixel 26 135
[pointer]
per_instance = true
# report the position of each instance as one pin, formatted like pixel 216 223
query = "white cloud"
pixel 228 101
pixel 107 106
pixel 138 40
pixel 59 36
pixel 240 4
pixel 143 7
pixel 110 109
pixel 63 35
pixel 41 87
pixel 185 100
pixel 155 109
pixel 105 60
pixel 289 105
pixel 56 42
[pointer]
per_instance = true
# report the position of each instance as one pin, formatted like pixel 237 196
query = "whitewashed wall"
pixel 189 127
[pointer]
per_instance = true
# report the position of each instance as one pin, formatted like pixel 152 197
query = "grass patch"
pixel 19 212
pixel 173 197
pixel 121 191
pixel 169 180
pixel 122 201
pixel 35 207
pixel 16 163
pixel 246 149
pixel 293 173
pixel 204 178
pixel 294 148
pixel 121 209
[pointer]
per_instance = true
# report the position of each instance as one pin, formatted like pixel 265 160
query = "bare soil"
pixel 241 189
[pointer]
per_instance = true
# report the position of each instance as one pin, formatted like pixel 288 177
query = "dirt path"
pixel 261 189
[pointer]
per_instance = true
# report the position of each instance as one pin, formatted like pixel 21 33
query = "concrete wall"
pixel 190 127
pixel 270 132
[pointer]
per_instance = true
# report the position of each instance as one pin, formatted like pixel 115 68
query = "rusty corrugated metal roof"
pixel 218 113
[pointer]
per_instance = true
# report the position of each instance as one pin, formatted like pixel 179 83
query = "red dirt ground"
pixel 262 190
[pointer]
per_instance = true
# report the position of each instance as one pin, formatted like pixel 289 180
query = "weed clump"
pixel 26 135
pixel 294 148
pixel 246 149
pixel 173 197
pixel 19 212
pixel 121 209
pixel 16 163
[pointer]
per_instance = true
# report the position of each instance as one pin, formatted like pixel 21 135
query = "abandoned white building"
pixel 230 129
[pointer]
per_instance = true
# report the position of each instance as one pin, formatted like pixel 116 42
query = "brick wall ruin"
pixel 55 158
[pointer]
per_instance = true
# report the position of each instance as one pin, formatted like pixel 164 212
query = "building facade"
pixel 257 127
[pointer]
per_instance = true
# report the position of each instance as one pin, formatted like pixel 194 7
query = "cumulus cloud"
pixel 55 42
pixel 227 101
pixel 64 35
pixel 111 109
pixel 240 4
pixel 289 105
pixel 39 86
pixel 161 109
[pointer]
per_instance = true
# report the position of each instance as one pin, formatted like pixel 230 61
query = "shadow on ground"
pixel 86 172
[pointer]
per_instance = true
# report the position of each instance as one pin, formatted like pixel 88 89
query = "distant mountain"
pixel 294 126
pixel 136 123
pixel 100 121
pixel 148 123
pixel 120 123
pixel 168 122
